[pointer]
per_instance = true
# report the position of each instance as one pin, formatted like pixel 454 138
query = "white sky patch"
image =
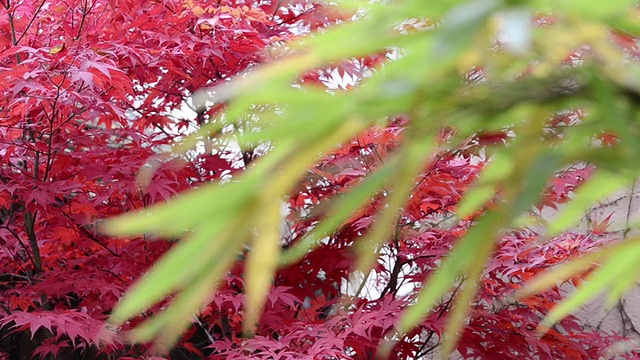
pixel 334 80
pixel 515 30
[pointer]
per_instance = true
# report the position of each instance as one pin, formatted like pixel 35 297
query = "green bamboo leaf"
pixel 340 211
pixel 462 25
pixel 401 186
pixel 468 256
pixel 175 270
pixel 424 82
pixel 600 185
pixel 262 260
pixel 550 278
pixel 306 127
pixel 539 173
pixel 169 325
pixel 214 126
pixel 619 264
pixel 455 322
pixel 182 213
pixel 629 260
pixel 467 252
pixel 499 169
pixel 601 10
pixel 474 199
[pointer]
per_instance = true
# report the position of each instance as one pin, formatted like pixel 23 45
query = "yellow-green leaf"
pixel 600 185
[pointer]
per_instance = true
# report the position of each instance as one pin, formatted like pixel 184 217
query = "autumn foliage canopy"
pixel 93 95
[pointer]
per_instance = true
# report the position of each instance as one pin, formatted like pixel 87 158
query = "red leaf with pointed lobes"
pixel 599 228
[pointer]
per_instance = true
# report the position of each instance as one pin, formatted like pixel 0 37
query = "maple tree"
pixel 91 91
pixel 94 92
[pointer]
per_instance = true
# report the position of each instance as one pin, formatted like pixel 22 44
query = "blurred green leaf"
pixel 461 26
pixel 401 186
pixel 524 88
pixel 599 186
pixel 621 262
pixel 262 262
pixel 538 175
pixel 470 251
pixel 474 199
pixel 551 278
pixel 601 10
pixel 341 210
